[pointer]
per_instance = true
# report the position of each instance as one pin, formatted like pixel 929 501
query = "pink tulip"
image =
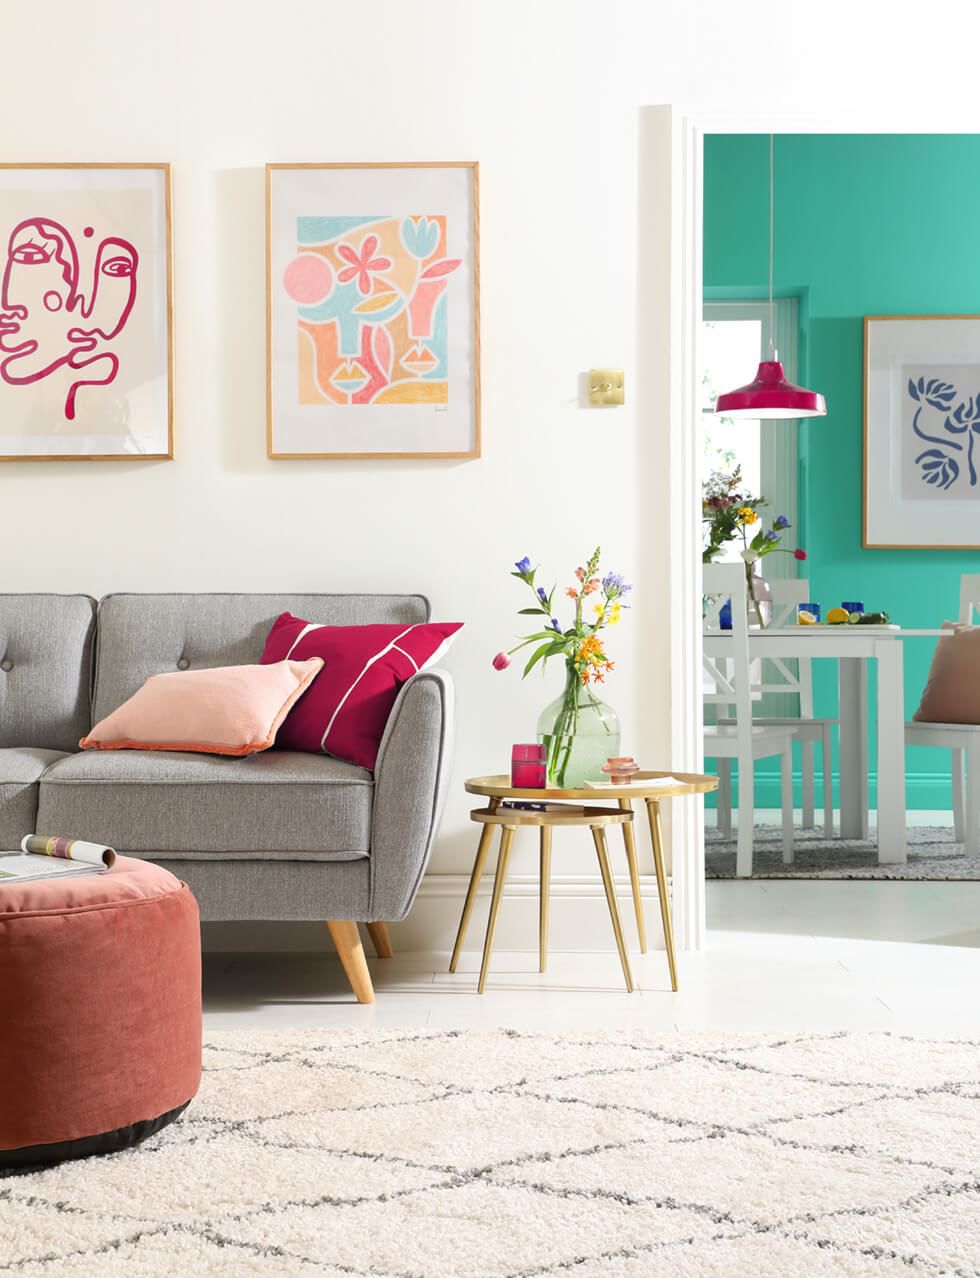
pixel 501 661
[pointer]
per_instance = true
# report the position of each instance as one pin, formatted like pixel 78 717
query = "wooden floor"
pixel 781 955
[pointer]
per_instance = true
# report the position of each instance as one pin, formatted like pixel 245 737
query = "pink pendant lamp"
pixel 769 395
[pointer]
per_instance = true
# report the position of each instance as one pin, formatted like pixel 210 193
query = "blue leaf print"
pixel 913 390
pixel 938 394
pixel 938 469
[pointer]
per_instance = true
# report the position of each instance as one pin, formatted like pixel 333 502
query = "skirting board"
pixel 579 919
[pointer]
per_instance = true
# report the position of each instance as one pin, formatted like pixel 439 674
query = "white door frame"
pixel 669 458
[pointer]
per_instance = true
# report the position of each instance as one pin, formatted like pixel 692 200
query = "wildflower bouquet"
pixel 764 542
pixel 578 713
pixel 723 503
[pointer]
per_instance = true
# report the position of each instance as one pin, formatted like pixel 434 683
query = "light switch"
pixel 606 386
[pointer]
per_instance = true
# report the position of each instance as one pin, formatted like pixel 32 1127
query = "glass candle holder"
pixel 620 770
pixel 528 767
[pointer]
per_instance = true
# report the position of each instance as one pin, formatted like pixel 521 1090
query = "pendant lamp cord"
pixel 772 330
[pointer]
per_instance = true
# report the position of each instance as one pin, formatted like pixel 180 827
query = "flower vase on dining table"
pixel 579 732
pixel 758 596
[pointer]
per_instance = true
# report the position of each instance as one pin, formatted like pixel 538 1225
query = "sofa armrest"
pixel 410 783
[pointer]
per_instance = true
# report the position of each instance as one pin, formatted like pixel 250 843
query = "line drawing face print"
pixel 47 322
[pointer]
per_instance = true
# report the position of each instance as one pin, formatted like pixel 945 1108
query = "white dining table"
pixel 853 647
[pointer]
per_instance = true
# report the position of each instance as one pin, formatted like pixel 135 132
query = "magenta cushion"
pixel 345 710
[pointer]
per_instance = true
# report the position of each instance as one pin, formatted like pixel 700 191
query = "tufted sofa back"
pixel 45 669
pixel 141 635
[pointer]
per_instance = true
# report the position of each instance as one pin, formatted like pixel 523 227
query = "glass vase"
pixel 759 596
pixel 579 732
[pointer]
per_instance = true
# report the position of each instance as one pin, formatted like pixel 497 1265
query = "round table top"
pixel 499 787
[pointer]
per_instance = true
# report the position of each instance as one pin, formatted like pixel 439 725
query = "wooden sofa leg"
pixel 380 939
pixel 348 942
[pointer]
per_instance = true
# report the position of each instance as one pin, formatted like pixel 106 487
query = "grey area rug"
pixel 932 854
pixel 413 1154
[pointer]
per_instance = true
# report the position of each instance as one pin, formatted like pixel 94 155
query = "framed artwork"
pixel 922 431
pixel 372 310
pixel 86 312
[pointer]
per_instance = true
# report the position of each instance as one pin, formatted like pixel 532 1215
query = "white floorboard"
pixel 781 955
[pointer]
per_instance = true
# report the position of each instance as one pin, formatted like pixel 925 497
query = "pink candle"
pixel 527 767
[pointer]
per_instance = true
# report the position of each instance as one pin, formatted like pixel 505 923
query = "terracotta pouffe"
pixel 100 1011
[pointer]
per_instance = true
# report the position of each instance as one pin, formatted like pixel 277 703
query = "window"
pixel 735 337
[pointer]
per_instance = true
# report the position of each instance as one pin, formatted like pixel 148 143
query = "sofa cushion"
pixel 142 635
pixel 45 669
pixel 276 804
pixel 231 710
pixel 365 667
pixel 20 771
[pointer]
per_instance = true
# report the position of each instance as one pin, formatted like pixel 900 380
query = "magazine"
pixel 54 858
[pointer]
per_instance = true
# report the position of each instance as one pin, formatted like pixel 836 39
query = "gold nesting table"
pixel 648 786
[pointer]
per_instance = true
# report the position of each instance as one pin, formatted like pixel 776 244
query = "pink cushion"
pixel 952 691
pixel 345 712
pixel 229 710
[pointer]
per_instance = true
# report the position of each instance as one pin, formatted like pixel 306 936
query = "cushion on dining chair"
pixel 952 691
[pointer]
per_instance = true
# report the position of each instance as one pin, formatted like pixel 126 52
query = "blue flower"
pixel 554 625
pixel 771 536
pixel 420 236
pixel 542 594
pixel 781 522
pixel 523 565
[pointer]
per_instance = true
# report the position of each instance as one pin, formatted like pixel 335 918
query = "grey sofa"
pixel 277 835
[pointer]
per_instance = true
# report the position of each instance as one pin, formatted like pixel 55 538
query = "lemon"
pixel 838 616
pixel 805 618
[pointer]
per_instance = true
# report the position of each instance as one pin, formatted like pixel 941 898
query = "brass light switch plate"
pixel 606 386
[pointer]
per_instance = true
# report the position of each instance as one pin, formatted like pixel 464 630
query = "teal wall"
pixel 866 224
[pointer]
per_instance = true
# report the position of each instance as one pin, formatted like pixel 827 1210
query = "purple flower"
pixel 613 584
pixel 523 565
pixel 781 522
pixel 771 536
pixel 555 626
pixel 542 594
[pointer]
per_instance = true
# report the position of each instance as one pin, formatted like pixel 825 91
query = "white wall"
pixel 219 89
pixel 544 93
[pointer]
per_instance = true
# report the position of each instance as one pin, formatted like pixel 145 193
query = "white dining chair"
pixel 787 595
pixel 961 739
pixel 742 740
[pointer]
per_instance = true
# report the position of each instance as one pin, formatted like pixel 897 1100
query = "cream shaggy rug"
pixel 406 1154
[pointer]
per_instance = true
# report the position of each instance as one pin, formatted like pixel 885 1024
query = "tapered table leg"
pixel 657 839
pixel 599 837
pixel 545 893
pixel 503 856
pixel 486 834
pixel 630 840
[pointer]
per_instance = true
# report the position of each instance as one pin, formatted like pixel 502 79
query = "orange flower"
pixel 590 586
pixel 572 594
pixel 580 573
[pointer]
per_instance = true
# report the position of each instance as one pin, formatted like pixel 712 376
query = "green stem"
pixel 565 727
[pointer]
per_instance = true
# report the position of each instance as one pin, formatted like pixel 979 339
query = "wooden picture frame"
pixel 921 449
pixel 373 310
pixel 86 312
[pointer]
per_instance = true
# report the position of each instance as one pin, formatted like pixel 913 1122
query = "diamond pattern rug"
pixel 932 854
pixel 412 1154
